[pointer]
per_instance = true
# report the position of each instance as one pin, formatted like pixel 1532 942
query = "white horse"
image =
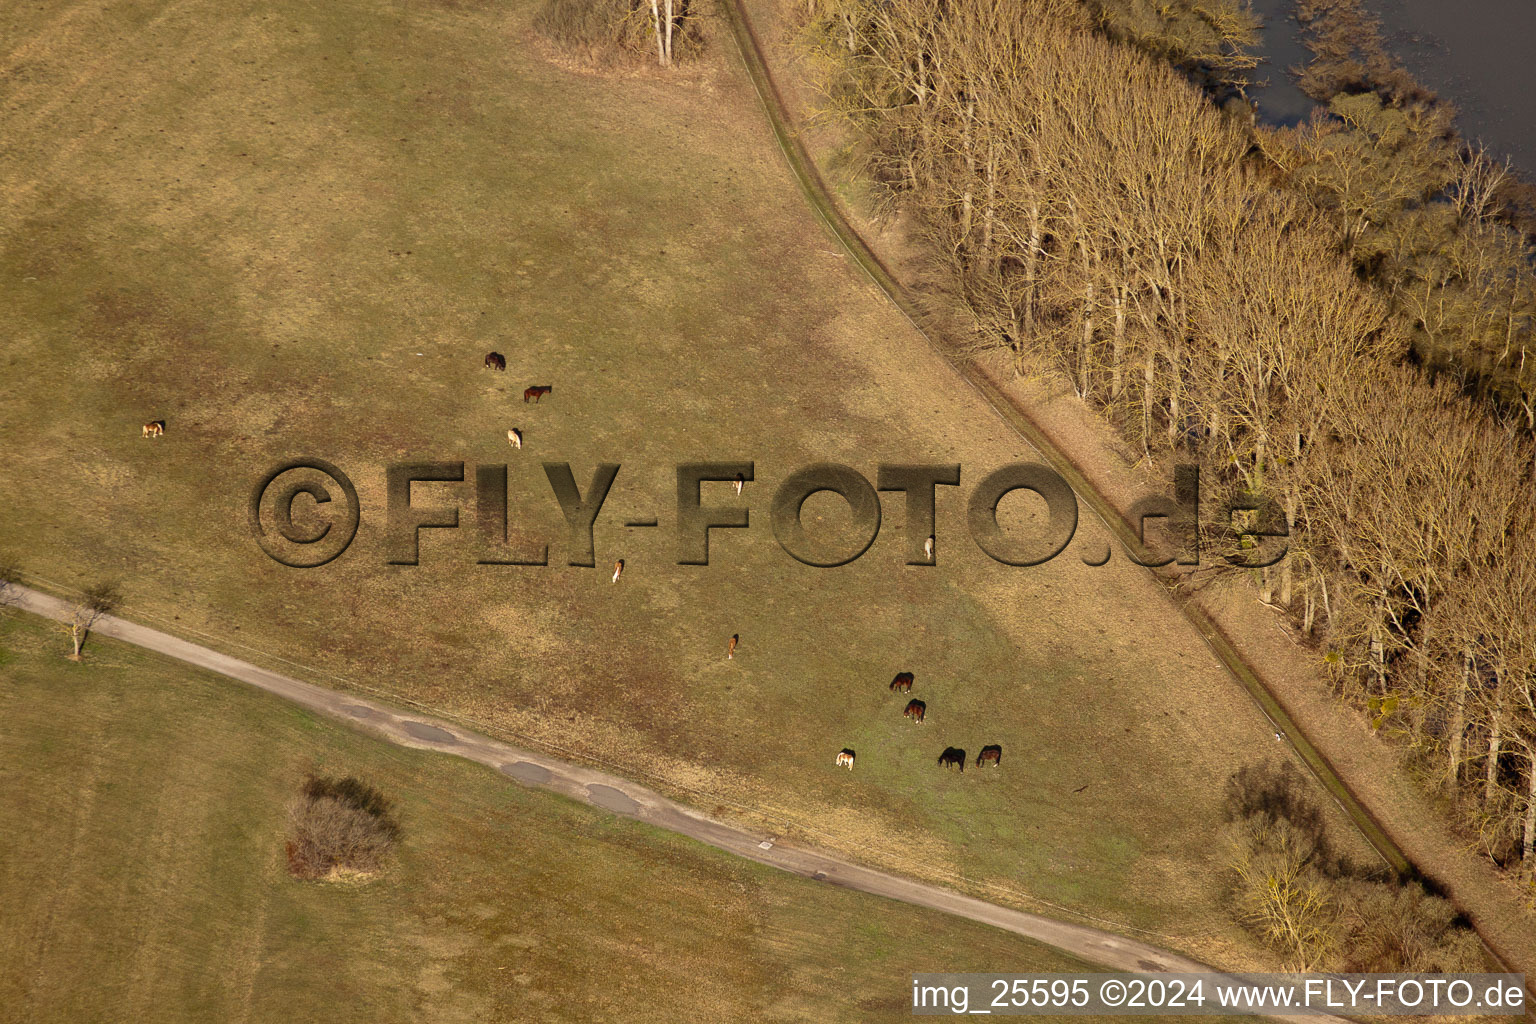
pixel 515 437
pixel 845 759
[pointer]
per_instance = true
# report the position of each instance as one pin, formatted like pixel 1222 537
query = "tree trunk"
pixel 1173 412
pixel 1285 563
pixel 988 213
pixel 1085 346
pixel 661 46
pixel 1495 740
pixel 1528 842
pixel 1378 660
pixel 1031 260
pixel 1459 722
pixel 1149 370
pixel 668 61
pixel 1378 648
pixel 967 200
pixel 1116 376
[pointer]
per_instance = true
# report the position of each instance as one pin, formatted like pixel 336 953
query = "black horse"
pixel 952 757
pixel 495 361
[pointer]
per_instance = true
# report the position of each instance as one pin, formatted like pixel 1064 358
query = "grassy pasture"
pixel 294 229
pixel 143 878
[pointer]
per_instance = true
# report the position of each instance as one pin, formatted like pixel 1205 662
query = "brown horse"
pixel 991 752
pixel 902 682
pixel 952 757
pixel 537 391
pixel 154 428
pixel 916 709
pixel 495 361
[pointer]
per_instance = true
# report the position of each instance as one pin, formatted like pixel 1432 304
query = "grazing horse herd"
pixel 952 757
pixel 493 361
pixel 497 361
pixel 917 710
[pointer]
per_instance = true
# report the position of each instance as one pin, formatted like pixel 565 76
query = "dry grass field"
pixel 143 877
pixel 293 229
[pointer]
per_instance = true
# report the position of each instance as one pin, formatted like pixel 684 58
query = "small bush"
pixel 604 30
pixel 1317 910
pixel 1401 929
pixel 1281 893
pixel 593 28
pixel 339 826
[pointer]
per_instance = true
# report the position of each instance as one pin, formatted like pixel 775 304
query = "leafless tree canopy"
pixel 339 825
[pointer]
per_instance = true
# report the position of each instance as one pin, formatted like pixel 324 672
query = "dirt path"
pixel 620 796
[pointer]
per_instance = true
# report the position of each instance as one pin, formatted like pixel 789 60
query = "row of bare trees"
pixel 1094 211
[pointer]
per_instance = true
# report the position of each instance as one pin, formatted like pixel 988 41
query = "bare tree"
pixel 98 600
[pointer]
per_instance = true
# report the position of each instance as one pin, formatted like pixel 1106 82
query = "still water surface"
pixel 1479 54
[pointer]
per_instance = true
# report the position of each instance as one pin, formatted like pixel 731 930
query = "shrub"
pixel 1401 929
pixel 338 826
pixel 1282 895
pixel 1317 910
pixel 602 30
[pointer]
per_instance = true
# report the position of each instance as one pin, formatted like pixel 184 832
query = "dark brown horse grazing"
pixel 916 709
pixel 495 361
pixel 537 391
pixel 902 682
pixel 952 757
pixel 991 752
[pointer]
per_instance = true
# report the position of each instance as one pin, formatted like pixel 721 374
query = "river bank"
pixel 1473 53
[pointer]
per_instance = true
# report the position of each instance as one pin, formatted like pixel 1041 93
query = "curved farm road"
pixel 620 796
